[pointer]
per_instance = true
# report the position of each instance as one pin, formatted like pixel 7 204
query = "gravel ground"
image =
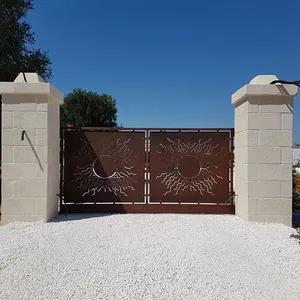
pixel 162 256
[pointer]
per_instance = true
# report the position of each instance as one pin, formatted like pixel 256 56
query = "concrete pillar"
pixel 30 161
pixel 263 150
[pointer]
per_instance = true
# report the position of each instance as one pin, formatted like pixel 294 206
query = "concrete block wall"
pixel 263 151
pixel 30 167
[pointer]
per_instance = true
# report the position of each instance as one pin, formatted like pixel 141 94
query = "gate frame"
pixel 211 208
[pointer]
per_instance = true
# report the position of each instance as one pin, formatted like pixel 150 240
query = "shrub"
pixel 296 191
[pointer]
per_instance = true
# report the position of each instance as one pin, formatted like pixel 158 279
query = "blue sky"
pixel 169 63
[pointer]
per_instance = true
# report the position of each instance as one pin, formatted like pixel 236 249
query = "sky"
pixel 169 63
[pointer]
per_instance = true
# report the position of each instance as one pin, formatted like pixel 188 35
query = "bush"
pixel 296 191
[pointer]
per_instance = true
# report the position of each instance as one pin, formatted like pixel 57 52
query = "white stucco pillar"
pixel 30 161
pixel 263 150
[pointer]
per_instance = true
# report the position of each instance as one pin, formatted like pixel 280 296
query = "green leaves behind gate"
pixel 83 108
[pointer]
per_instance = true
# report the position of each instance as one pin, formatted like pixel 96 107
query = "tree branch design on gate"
pixel 109 168
pixel 188 166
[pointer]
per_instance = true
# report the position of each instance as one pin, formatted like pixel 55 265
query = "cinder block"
pixel 246 171
pixel 42 171
pixel 247 138
pixel 33 188
pixel 53 154
pixel 241 187
pixel 36 120
pixel 7 120
pixel 239 140
pixel 42 137
pixel 7 154
pixel 241 123
pixel 241 203
pixel 241 214
pixel 47 207
pixel 287 121
pixel 252 172
pixel 237 185
pixel 241 155
pixel 41 103
pixel 264 155
pixel 17 171
pixel 257 218
pixel 6 219
pixel 12 137
pixel 273 105
pixel 249 106
pixel 52 207
pixel 53 169
pixel 27 154
pixel 6 189
pixel 264 189
pixel 264 121
pixel 275 138
pixel 286 220
pixel 41 206
pixel 53 137
pixel 279 206
pixel 287 155
pixel 19 103
pixel 239 171
pixel 20 206
pixel 253 206
pixel 252 138
pixel 280 219
pixel 275 172
pixel 287 189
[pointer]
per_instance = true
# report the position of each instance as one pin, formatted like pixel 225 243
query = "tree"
pixel 83 108
pixel 16 53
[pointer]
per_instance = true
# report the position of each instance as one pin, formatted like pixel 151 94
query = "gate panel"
pixel 190 167
pixel 147 170
pixel 104 167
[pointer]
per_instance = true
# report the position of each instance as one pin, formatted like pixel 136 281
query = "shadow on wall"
pixel 32 148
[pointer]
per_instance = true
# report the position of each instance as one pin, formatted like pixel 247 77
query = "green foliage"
pixel 296 195
pixel 16 53
pixel 83 108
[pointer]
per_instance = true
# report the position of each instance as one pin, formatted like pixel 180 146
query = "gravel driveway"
pixel 162 256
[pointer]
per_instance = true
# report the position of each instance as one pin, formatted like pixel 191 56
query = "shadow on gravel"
pixel 76 217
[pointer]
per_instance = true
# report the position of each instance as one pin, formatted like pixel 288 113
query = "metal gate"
pixel 147 170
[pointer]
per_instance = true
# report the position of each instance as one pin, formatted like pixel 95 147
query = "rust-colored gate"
pixel 147 170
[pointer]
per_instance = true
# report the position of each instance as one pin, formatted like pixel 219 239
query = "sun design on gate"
pixel 108 170
pixel 188 166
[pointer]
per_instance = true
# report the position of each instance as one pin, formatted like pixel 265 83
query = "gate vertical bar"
pixel 147 166
pixel 61 161
pixel 231 165
pixel 218 131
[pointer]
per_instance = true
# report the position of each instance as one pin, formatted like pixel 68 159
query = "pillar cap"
pixel 260 86
pixel 35 85
pixel 263 79
pixel 29 77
